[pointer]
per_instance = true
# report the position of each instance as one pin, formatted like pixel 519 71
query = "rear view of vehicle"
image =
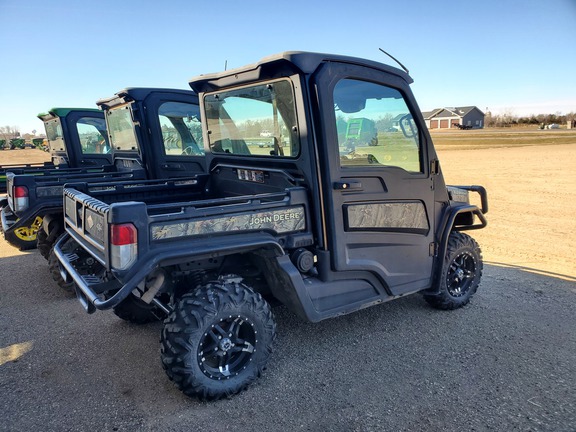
pixel 78 143
pixel 157 139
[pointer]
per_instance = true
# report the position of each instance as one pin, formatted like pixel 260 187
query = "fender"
pixel 28 218
pixel 88 293
pixel 448 224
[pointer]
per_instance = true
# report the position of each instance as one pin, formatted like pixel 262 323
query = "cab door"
pixel 379 197
pixel 90 146
pixel 175 135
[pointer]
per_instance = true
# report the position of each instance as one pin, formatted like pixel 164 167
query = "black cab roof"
pixel 130 94
pixel 295 61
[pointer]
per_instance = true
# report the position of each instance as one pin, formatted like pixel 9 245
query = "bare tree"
pixel 9 132
pixel 507 117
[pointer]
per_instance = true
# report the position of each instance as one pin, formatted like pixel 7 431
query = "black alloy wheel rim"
pixel 227 347
pixel 461 274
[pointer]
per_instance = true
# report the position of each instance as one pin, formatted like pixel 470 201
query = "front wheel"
pixel 461 273
pixel 217 340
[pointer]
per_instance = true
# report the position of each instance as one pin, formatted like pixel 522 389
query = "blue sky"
pixel 505 55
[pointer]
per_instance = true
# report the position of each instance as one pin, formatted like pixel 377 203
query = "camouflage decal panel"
pixel 401 216
pixel 94 225
pixel 282 221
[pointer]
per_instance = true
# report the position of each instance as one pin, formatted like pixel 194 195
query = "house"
pixel 469 117
pixel 396 121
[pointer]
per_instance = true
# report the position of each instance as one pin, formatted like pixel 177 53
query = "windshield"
pixel 181 128
pixel 54 135
pixel 92 134
pixel 121 129
pixel 259 120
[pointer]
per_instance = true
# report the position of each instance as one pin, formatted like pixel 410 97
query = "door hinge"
pixel 434 167
pixel 433 249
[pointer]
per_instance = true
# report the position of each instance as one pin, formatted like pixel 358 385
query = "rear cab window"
pixel 258 120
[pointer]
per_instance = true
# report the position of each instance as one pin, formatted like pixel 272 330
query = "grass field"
pixel 502 137
pixel 401 152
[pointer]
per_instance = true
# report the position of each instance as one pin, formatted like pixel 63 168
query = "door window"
pixel 375 127
pixel 92 134
pixel 181 129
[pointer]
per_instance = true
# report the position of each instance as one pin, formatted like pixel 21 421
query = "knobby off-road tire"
pixel 42 244
pixel 54 267
pixel 24 238
pixel 461 273
pixel 217 340
pixel 69 247
pixel 45 242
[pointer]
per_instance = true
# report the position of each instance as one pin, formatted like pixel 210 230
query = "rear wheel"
pixel 54 267
pixel 84 263
pixel 24 238
pixel 217 340
pixel 42 243
pixel 461 273
pixel 45 241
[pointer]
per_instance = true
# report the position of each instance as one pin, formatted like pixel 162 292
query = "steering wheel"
pixel 190 151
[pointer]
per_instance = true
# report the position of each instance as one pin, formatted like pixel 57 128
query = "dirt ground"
pixel 532 198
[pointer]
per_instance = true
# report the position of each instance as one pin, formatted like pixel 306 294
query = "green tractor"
pixel 361 131
pixel 17 143
pixel 39 144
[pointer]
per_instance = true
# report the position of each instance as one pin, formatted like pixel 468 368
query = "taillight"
pixel 20 194
pixel 124 245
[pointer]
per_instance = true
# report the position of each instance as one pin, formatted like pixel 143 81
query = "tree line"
pixel 507 118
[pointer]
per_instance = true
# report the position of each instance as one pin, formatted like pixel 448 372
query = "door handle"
pixel 347 184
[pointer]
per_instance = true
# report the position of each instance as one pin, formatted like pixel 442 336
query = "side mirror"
pixel 408 126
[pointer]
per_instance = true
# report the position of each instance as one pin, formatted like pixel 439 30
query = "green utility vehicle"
pixel 306 224
pixel 69 132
